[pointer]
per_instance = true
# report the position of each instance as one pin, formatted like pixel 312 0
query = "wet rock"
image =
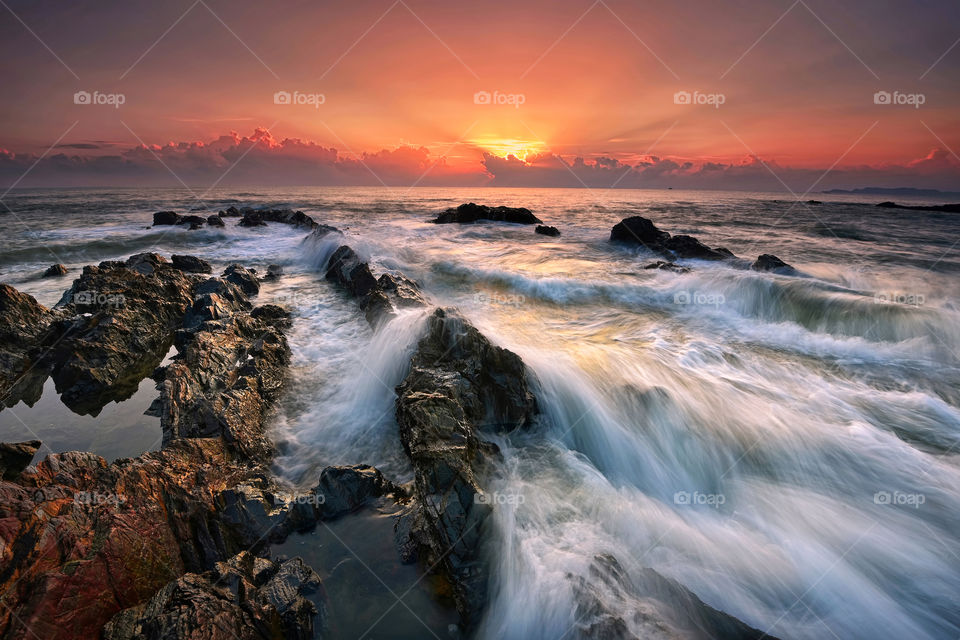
pixel 115 324
pixel 252 219
pixel 402 290
pixel 244 278
pixel 639 230
pixel 947 208
pixel 243 598
pixel 459 384
pixel 274 271
pixel 283 216
pixel 667 266
pixel 342 490
pixel 23 325
pixel 272 314
pixel 724 251
pixel 770 262
pixel 55 271
pixel 192 220
pixel 471 212
pixel 216 221
pixel 166 218
pixel 16 456
pixel 547 231
pixel 231 212
pixel 689 247
pixel 191 264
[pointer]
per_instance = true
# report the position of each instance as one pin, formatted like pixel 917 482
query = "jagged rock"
pixel 272 314
pixel 244 278
pixel 401 289
pixel 726 252
pixel 667 266
pixel 458 385
pixel 770 262
pixel 252 219
pixel 23 323
pixel 15 456
pixel 243 598
pixel 216 221
pixel 689 247
pixel 193 221
pixel 274 271
pixel 55 271
pixel 166 218
pixel 471 212
pixel 547 231
pixel 284 216
pixel 639 230
pixel 346 489
pixel 191 264
pixel 115 324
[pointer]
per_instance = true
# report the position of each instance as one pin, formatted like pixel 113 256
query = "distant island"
pixel 898 191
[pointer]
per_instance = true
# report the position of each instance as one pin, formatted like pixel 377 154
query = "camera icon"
pixel 682 97
pixel 881 497
pixel 481 498
pixel 681 497
pixel 282 97
pixel 882 97
pixel 482 97
pixel 681 297
pixel 82 97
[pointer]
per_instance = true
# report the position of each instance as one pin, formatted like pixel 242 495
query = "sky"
pixel 798 95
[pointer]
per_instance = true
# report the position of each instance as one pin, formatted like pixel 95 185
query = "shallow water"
pixel 784 447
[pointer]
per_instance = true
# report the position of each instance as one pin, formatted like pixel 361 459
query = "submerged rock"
pixel 16 456
pixel 274 271
pixel 770 262
pixel 547 231
pixel 55 271
pixel 471 212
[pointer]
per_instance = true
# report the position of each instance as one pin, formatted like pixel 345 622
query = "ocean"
pixel 784 446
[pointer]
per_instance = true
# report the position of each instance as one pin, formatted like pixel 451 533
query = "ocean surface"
pixel 785 447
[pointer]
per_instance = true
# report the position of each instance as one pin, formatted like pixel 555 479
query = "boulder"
pixel 470 212
pixel 215 221
pixel 193 220
pixel 639 230
pixel 191 264
pixel 16 456
pixel 55 271
pixel 166 218
pixel 342 490
pixel 547 231
pixel 770 262
pixel 244 278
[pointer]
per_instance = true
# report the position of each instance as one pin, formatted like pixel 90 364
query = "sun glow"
pixel 511 147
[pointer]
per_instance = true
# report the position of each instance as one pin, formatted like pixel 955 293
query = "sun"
pixel 511 147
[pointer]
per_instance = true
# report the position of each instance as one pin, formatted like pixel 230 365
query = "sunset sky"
pixel 591 82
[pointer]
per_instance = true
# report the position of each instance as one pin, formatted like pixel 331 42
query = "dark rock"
pixel 401 290
pixel 231 212
pixel 16 456
pixel 195 225
pixel 191 264
pixel 244 598
pixel 470 212
pixel 274 271
pixel 215 221
pixel 23 323
pixel 115 324
pixel 946 208
pixel 814 202
pixel 689 247
pixel 639 230
pixel 724 251
pixel 769 262
pixel 273 314
pixel 55 271
pixel 192 220
pixel 667 266
pixel 166 218
pixel 283 216
pixel 345 489
pixel 377 298
pixel 547 231
pixel 244 278
pixel 252 219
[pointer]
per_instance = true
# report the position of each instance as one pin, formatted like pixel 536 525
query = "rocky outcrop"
pixel 23 325
pixel 115 324
pixel 191 264
pixel 770 262
pixel 55 271
pixel 244 598
pixel 459 385
pixel 260 217
pixel 216 221
pixel 166 218
pixel 470 212
pixel 377 298
pixel 638 230
pixel 16 456
pixel 946 208
pixel 544 230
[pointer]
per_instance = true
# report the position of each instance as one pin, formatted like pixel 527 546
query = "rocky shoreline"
pixel 176 543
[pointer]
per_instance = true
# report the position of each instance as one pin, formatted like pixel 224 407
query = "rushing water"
pixel 784 447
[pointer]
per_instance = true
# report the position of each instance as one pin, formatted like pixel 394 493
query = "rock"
pixel 459 384
pixel 377 298
pixel 55 271
pixel 639 230
pixel 547 231
pixel 274 271
pixel 401 290
pixel 689 247
pixel 272 314
pixel 814 202
pixel 244 598
pixel 191 264
pixel 115 325
pixel 345 489
pixel 215 221
pixel 769 262
pixel 470 212
pixel 667 266
pixel 16 456
pixel 724 251
pixel 244 278
pixel 166 218
pixel 252 219
pixel 23 325
pixel 283 216
pixel 946 208
pixel 192 220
